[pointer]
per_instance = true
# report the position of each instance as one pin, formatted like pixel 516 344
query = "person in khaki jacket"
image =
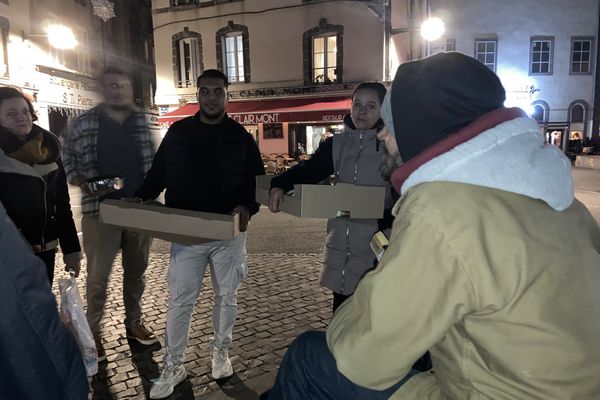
pixel 492 265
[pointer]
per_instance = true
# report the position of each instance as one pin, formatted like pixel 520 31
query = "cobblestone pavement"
pixel 279 299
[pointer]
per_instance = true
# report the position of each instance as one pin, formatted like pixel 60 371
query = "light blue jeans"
pixel 227 260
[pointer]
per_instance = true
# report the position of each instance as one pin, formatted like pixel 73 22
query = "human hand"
pixel 87 189
pixel 244 217
pixel 74 266
pixel 275 199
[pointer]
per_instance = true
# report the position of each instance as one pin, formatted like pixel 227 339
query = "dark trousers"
pixel 48 257
pixel 338 299
pixel 308 371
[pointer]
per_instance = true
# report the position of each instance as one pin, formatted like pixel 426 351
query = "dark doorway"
pixel 297 134
pixel 58 122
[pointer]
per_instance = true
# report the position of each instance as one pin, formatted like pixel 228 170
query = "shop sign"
pixel 519 94
pixel 520 91
pixel 67 93
pixel 251 119
pixel 332 117
pixel 271 118
pixel 290 91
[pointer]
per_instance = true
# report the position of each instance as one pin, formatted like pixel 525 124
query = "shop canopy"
pixel 248 112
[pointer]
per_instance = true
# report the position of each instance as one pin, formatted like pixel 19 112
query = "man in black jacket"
pixel 208 163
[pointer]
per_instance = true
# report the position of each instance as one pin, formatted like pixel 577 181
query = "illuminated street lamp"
pixel 61 37
pixel 432 29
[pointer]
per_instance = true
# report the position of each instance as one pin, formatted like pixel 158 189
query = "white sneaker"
pixel 221 365
pixel 166 382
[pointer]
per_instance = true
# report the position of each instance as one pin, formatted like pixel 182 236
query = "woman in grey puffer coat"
pixel 354 157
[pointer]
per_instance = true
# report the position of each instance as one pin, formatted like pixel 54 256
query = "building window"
pixel 4 53
pixel 577 119
pixel 189 62
pixel 324 58
pixel 233 52
pixel 485 52
pixel 581 55
pixel 151 95
pixel 187 57
pixel 233 60
pixel 540 111
pixel 148 48
pixel 541 55
pixel 450 45
pixel 59 56
pixel 323 53
pixel 577 113
pixel 83 52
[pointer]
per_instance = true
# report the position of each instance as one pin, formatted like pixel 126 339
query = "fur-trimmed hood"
pixel 511 156
pixel 39 147
pixel 15 153
pixel 446 114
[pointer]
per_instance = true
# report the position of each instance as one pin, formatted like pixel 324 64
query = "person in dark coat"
pixel 40 358
pixel 33 186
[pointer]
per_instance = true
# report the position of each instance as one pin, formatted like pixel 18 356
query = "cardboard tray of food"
pixel 327 201
pixel 171 224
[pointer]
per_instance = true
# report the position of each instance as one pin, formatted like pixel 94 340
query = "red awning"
pixel 315 109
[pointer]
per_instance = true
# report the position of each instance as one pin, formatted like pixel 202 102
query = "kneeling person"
pixel 474 272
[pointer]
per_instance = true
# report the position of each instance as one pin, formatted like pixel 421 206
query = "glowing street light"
pixel 432 29
pixel 61 37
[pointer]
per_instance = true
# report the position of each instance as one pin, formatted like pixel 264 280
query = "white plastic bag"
pixel 72 314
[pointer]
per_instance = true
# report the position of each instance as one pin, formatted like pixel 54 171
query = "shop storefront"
pixel 63 95
pixel 556 134
pixel 281 125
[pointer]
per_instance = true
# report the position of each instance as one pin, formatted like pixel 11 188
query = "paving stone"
pixel 273 308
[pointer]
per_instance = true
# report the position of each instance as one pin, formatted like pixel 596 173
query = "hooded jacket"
pixel 35 195
pixel 492 266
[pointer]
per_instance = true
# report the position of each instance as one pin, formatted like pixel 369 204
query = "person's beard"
pixel 213 116
pixel 120 107
pixel 389 164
